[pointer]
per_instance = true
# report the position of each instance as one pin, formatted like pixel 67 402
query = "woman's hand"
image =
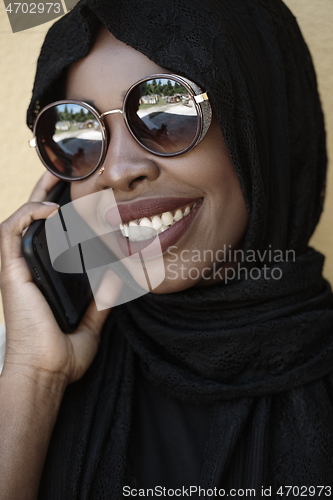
pixel 35 342
pixel 40 360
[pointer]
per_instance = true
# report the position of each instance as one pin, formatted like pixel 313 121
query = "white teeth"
pixel 134 230
pixel 167 218
pixel 156 222
pixel 178 215
pixel 147 232
pixel 147 228
pixel 163 228
pixel 145 222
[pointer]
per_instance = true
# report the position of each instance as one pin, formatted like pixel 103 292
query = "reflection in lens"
pixel 162 115
pixel 69 139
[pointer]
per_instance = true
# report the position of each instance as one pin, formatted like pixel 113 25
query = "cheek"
pixel 227 206
pixel 221 177
pixel 209 165
pixel 226 218
pixel 90 204
pixel 80 189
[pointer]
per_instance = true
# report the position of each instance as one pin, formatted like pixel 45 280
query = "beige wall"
pixel 20 167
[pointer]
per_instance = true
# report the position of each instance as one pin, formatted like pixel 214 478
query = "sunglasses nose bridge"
pixel 111 112
pixel 102 117
pixel 113 130
pixel 125 161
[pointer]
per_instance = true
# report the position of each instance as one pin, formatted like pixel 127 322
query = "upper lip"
pixel 144 208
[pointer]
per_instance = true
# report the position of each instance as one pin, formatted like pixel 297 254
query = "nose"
pixel 127 165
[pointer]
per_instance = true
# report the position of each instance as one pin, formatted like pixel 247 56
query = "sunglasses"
pixel 168 115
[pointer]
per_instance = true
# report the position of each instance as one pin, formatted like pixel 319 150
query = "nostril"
pixel 137 180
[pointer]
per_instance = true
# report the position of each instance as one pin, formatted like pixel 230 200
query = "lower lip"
pixel 168 238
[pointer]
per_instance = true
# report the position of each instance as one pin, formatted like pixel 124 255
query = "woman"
pixel 218 385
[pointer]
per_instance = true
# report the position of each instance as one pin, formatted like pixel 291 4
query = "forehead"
pixel 109 69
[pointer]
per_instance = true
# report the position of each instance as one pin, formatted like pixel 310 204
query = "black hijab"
pixel 258 351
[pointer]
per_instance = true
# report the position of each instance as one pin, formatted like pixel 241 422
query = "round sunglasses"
pixel 168 115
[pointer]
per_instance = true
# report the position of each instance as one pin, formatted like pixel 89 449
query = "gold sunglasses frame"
pixel 200 100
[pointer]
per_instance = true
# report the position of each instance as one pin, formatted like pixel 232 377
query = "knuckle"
pixel 29 207
pixel 5 226
pixel 8 224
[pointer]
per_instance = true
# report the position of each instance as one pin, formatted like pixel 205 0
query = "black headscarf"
pixel 258 351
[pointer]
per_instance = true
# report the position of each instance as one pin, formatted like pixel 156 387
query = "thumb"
pixel 93 320
pixel 105 297
pixel 86 339
pixel 106 289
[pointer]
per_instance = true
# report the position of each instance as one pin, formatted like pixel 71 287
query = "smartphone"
pixel 68 295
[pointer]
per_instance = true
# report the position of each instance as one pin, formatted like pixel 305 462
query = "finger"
pixel 93 319
pixel 11 229
pixel 85 340
pixel 107 290
pixel 44 186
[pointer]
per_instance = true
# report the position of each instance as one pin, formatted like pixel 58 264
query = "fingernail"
pixel 24 231
pixel 51 203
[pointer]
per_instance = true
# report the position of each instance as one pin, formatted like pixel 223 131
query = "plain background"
pixel 20 166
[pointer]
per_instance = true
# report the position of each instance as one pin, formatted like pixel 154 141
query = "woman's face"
pixel 205 174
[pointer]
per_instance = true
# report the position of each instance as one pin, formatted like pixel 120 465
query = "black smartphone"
pixel 67 294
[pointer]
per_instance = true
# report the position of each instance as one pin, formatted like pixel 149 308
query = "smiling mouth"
pixel 147 227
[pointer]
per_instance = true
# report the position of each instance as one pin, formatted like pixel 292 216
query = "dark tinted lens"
pixel 162 115
pixel 69 139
